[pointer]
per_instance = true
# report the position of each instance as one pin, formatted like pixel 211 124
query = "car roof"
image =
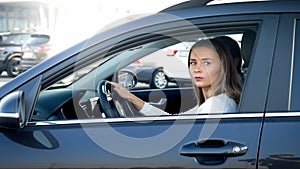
pixel 201 7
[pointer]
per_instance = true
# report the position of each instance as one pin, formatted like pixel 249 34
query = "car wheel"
pixel 159 80
pixel 13 67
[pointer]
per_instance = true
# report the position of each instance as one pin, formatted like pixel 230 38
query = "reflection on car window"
pixel 77 74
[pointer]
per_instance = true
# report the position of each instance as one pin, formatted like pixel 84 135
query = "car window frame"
pixel 293 105
pixel 282 71
pixel 234 20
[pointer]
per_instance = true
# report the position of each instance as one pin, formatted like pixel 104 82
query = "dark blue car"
pixel 55 115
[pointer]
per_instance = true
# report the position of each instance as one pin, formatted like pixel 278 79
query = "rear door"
pixel 280 141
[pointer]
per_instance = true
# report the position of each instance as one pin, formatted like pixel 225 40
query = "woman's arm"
pixel 137 102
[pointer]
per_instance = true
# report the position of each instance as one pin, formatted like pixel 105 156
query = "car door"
pixel 228 140
pixel 280 143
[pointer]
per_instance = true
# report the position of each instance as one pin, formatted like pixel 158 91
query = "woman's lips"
pixel 199 78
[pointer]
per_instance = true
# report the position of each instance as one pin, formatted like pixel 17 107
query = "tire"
pixel 13 68
pixel 159 80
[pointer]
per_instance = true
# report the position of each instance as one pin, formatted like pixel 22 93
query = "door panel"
pixel 141 144
pixel 280 141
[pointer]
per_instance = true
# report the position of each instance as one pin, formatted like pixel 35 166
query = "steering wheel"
pixel 105 99
pixel 112 104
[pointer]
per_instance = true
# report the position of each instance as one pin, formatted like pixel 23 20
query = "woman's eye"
pixel 192 63
pixel 206 63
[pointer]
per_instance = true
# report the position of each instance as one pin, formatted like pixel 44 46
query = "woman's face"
pixel 205 67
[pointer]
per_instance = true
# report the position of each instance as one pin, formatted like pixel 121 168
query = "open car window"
pixel 157 72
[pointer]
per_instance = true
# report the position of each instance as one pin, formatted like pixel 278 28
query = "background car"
pixel 35 50
pixel 11 46
pixel 155 77
pixel 181 49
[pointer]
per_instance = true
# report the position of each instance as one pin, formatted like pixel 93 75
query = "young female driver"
pixel 214 76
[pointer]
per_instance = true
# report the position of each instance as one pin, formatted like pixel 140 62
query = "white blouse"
pixel 216 104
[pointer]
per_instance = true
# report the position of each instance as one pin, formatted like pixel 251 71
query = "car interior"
pixel 77 95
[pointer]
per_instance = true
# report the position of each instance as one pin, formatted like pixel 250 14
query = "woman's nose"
pixel 199 67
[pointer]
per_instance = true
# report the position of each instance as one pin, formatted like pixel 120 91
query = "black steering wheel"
pixel 112 104
pixel 106 100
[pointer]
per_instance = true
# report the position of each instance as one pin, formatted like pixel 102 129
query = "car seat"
pixel 247 45
pixel 235 51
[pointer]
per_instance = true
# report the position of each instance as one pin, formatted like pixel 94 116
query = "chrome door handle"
pixel 213 152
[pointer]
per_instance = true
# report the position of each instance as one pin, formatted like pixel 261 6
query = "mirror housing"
pixel 127 79
pixel 12 110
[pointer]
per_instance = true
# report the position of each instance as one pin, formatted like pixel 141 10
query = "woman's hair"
pixel 228 81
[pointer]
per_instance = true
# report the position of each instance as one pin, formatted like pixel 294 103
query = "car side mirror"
pixel 12 110
pixel 127 79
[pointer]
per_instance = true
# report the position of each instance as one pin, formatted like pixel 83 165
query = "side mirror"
pixel 127 79
pixel 12 110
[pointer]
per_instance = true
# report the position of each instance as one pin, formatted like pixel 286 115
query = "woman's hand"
pixel 125 94
pixel 122 92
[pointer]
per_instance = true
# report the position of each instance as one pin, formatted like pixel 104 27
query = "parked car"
pixel 154 76
pixel 50 120
pixel 11 45
pixel 181 49
pixel 38 50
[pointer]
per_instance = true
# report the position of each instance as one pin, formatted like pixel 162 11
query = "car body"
pixel 154 76
pixel 51 116
pixel 34 54
pixel 11 46
pixel 35 51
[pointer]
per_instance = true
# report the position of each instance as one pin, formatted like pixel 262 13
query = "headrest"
pixel 247 44
pixel 234 49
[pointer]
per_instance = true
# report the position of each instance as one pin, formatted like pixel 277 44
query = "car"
pixel 11 45
pixel 180 50
pixel 55 115
pixel 39 49
pixel 154 76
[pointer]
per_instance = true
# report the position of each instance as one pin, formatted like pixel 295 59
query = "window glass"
pixel 164 68
pixel 157 73
pixel 295 90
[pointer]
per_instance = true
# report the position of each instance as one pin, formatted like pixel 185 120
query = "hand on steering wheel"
pixel 106 101
pixel 112 104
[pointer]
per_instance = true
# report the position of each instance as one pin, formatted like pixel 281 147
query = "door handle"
pixel 212 152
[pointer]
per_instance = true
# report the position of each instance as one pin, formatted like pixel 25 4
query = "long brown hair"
pixel 228 81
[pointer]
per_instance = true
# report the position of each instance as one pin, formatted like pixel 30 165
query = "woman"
pixel 214 76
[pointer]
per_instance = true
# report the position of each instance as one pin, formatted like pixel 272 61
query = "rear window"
pixel 28 39
pixel 14 39
pixel 37 39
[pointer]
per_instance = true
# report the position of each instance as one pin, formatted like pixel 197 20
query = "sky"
pixel 79 19
pixel 76 20
pixel 82 18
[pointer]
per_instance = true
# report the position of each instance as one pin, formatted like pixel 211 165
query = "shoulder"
pixel 219 104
